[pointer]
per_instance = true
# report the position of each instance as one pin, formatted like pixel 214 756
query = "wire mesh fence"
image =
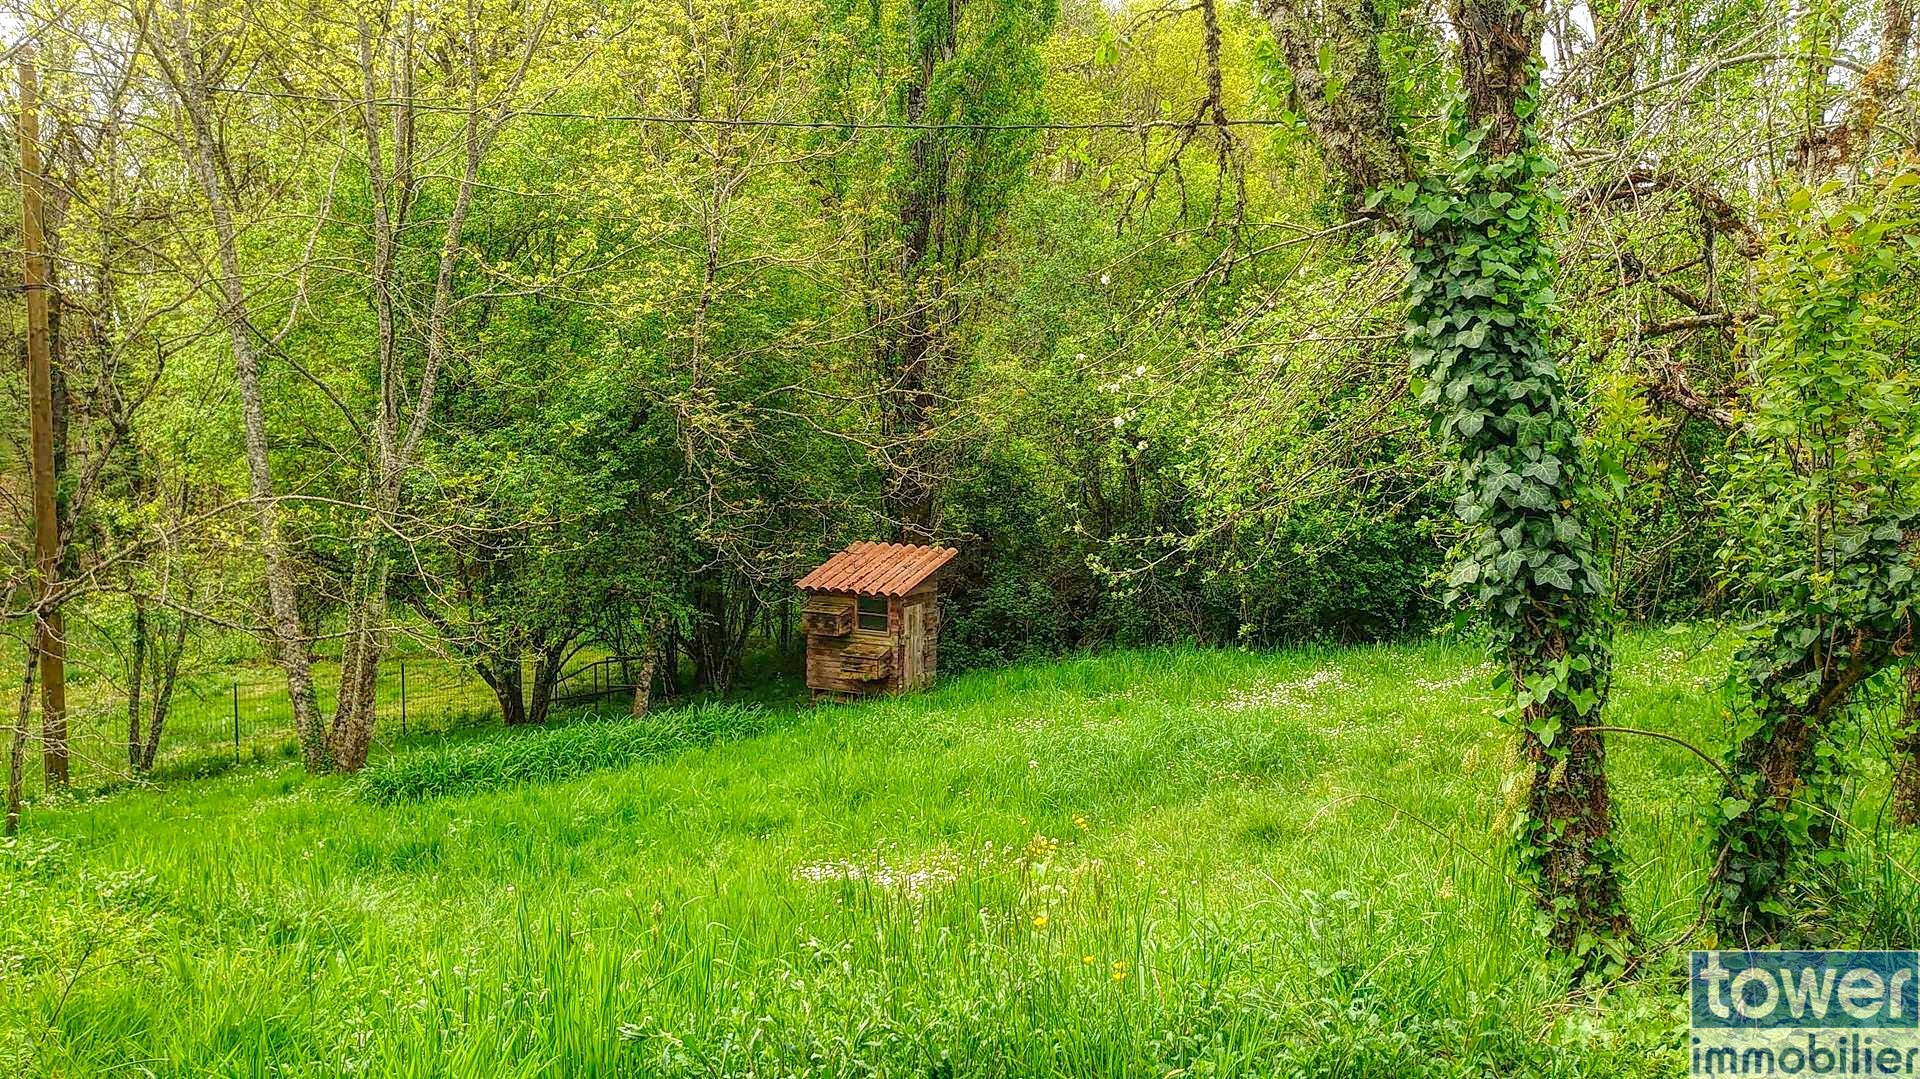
pixel 246 713
pixel 238 713
pixel 411 698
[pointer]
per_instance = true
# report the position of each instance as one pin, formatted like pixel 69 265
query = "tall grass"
pixel 560 752
pixel 1169 862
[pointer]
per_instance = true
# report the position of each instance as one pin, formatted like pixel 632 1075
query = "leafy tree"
pixel 966 76
pixel 1480 329
pixel 1822 499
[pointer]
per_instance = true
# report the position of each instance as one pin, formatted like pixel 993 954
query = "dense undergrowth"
pixel 1146 863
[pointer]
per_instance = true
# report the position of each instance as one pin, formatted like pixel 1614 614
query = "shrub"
pixel 552 753
pixel 1330 576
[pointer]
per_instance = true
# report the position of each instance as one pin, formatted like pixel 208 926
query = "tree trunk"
pixel 1352 125
pixel 355 714
pixel 1498 39
pixel 911 347
pixel 502 675
pixel 283 614
pixel 1569 806
pixel 669 669
pixel 643 684
pixel 38 285
pixel 906 425
pixel 1780 777
pixel 546 670
pixel 392 195
pixel 136 675
pixel 389 197
pixel 724 609
pixel 1826 148
pixel 17 752
pixel 1551 626
pixel 1906 751
pixel 166 675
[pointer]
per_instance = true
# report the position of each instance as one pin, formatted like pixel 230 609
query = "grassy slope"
pixel 1126 864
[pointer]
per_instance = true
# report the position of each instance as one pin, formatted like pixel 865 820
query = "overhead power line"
pixel 424 105
pixel 728 121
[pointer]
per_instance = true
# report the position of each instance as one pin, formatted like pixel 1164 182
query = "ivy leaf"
pixel 1533 496
pixel 1546 470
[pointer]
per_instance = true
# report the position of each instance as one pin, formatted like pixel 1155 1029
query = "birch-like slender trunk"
pixel 283 613
pixel 394 450
pixel 136 678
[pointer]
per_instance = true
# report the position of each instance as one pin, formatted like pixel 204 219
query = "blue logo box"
pixel 1778 990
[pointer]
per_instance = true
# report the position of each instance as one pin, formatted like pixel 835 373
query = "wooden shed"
pixel 872 619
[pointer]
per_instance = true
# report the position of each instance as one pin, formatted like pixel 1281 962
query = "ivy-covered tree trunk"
pixel 1781 807
pixel 1482 356
pixel 1567 834
pixel 1906 751
pixel 1822 511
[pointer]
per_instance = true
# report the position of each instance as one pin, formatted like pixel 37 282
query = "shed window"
pixel 873 613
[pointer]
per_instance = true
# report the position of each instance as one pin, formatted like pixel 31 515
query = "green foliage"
pixel 1335 576
pixel 1828 439
pixel 1822 497
pixel 1035 581
pixel 1013 614
pixel 547 755
pixel 1478 327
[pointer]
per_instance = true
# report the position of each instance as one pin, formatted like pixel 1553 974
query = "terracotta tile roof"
pixel 877 569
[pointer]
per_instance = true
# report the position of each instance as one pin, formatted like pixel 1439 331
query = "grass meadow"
pixel 1158 863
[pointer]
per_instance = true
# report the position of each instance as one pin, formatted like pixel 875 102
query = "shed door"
pixel 916 646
